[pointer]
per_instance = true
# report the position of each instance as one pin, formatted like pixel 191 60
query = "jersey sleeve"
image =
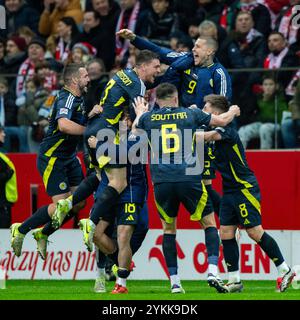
pixel 201 117
pixel 166 55
pixel 142 121
pixel 226 133
pixel 222 83
pixel 64 107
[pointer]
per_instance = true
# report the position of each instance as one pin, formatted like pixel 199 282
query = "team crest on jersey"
pixel 62 186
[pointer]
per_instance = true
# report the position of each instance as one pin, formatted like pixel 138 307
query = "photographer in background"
pixel 8 186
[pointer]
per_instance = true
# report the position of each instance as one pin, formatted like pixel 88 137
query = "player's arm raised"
pixel 224 119
pixel 70 127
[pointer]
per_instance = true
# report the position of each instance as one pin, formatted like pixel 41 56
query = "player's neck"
pixel 74 90
pixel 208 62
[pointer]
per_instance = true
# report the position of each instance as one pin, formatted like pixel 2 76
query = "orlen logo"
pixel 252 259
pixel 2 18
pixel 158 254
pixel 296 17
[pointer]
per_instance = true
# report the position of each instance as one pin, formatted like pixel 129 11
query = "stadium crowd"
pixel 41 37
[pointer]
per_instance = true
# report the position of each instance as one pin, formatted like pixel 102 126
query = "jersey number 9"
pixel 192 86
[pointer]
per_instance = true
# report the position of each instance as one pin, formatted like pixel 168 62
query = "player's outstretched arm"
pixel 166 55
pixel 126 34
pixel 70 127
pixel 224 119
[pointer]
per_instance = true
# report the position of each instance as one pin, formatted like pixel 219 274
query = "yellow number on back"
pixel 165 135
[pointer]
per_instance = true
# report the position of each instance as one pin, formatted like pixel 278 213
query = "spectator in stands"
pixel 285 25
pixel 252 46
pixel 280 56
pixel 133 51
pixel 260 14
pixel 98 80
pixel 26 33
pixel 291 126
pixel 193 28
pixel 47 76
pixel 8 186
pixel 130 18
pixel 208 10
pixel 63 8
pixel 36 53
pixel 274 7
pixel 19 14
pixel 82 52
pixel 109 11
pixel 8 119
pixel 29 104
pixel 2 53
pixel 98 37
pixel 184 44
pixel 159 23
pixel 271 105
pixel 67 32
pixel 15 55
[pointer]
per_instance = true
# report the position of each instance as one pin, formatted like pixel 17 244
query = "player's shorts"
pixel 193 195
pixel 113 154
pixel 59 175
pixel 241 208
pixel 209 169
pixel 128 213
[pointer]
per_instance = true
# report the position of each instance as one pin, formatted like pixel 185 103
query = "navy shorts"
pixel 109 153
pixel 193 195
pixel 59 174
pixel 241 208
pixel 128 213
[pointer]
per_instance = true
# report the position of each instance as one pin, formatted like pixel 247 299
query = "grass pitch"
pixel 138 290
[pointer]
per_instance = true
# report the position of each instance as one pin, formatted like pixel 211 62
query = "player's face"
pixel 201 52
pixel 152 70
pixel 83 80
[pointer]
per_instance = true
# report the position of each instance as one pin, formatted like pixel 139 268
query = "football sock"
pixel 39 218
pixel 234 277
pixel 49 229
pixel 175 280
pixel 103 205
pixel 101 259
pixel 137 239
pixel 214 197
pixel 282 268
pixel 212 243
pixel 170 252
pixel 85 189
pixel 270 247
pixel 231 254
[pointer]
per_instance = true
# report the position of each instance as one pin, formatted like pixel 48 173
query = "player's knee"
pixel 255 233
pixel 227 233
pixel 119 185
pixel 208 221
